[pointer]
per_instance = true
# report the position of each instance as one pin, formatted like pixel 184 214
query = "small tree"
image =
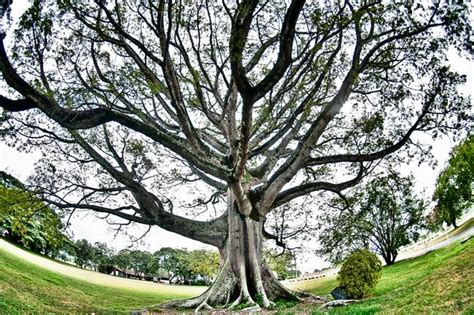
pixel 453 192
pixel 174 262
pixel 123 259
pixel 139 261
pixel 383 216
pixel 83 253
pixel 360 273
pixel 263 102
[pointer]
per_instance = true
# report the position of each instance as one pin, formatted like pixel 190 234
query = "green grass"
pixel 440 282
pixel 319 286
pixel 25 288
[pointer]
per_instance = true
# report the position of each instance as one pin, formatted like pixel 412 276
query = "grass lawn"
pixel 440 282
pixel 26 288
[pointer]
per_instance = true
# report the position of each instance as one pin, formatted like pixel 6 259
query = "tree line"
pixel 173 265
pixel 29 222
pixel 168 264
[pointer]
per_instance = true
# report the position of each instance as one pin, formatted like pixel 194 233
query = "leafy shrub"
pixel 360 273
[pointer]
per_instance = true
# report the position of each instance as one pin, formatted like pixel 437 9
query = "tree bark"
pixel 244 278
pixel 453 222
pixel 389 257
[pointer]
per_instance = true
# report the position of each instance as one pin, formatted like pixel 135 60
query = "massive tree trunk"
pixel 244 277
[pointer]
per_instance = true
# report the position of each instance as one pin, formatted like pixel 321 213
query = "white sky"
pixel 86 225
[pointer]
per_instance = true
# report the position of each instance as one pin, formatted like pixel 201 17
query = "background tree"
pixel 103 258
pixel 454 188
pixel 175 263
pixel 264 102
pixel 84 253
pixel 383 216
pixel 26 220
pixel 281 263
pixel 139 262
pixel 123 259
pixel 204 263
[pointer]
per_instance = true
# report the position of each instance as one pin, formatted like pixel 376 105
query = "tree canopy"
pixel 454 188
pixel 263 102
pixel 84 253
pixel 383 215
pixel 26 220
pixel 282 263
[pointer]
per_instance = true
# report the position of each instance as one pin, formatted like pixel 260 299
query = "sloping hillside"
pixel 92 276
pixel 439 282
pixel 26 287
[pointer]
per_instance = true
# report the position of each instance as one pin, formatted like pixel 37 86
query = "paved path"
pixel 423 250
pixel 99 278
pixel 415 250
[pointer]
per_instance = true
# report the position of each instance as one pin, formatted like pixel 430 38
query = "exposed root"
pixel 261 291
pixel 275 289
pixel 253 308
pixel 236 302
pixel 227 301
pixel 244 278
pixel 315 298
pixel 203 305
pixel 218 294
pixel 244 297
pixel 185 304
pixel 337 303
pixel 305 296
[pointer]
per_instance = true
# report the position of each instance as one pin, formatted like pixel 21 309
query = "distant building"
pixel 132 274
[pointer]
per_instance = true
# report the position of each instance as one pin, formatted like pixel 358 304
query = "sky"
pixel 86 225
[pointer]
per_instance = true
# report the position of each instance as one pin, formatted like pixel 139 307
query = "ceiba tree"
pixel 262 101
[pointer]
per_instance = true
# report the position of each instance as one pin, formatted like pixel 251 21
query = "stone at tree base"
pixel 339 294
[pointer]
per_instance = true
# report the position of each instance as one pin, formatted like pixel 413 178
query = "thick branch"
pixel 301 190
pixel 16 105
pixel 211 232
pixel 284 55
pixel 85 119
pixel 375 155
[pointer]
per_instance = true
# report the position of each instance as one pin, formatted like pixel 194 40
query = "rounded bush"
pixel 360 273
